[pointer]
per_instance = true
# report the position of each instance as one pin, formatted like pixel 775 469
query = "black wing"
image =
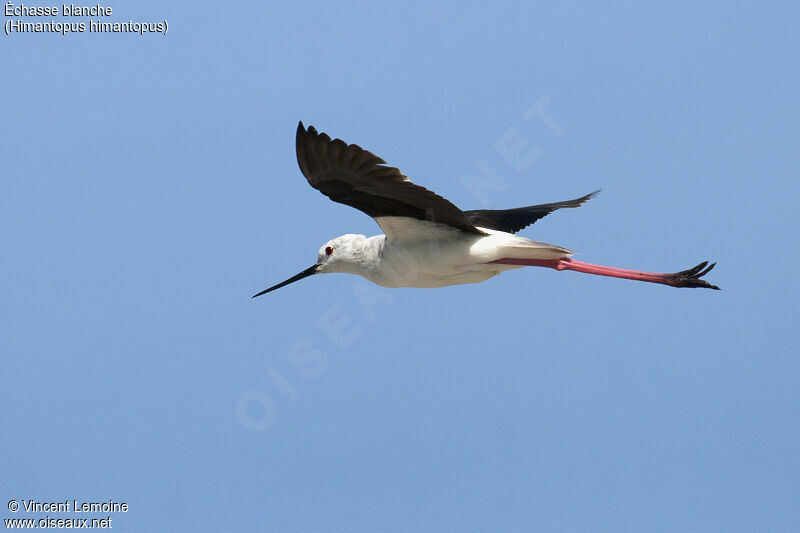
pixel 350 175
pixel 513 220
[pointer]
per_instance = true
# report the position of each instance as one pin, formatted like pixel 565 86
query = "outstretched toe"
pixel 691 277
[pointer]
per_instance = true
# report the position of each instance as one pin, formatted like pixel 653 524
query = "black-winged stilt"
pixel 428 241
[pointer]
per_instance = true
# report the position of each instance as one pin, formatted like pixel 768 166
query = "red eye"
pixel 328 250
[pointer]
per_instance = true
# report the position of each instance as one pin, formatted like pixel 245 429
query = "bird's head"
pixel 342 254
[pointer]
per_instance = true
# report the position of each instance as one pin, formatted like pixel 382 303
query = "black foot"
pixel 691 277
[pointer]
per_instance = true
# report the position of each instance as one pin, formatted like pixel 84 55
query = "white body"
pixel 426 255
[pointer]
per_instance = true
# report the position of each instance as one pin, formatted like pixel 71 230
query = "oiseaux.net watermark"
pixel 307 360
pixel 63 514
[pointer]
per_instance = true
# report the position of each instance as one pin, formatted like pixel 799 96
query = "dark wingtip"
pixel 302 130
pixel 691 277
pixel 582 200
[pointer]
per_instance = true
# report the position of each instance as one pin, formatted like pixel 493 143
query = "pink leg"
pixel 685 278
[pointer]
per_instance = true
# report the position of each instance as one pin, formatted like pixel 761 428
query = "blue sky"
pixel 150 187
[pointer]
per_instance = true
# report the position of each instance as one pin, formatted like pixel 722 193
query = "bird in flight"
pixel 427 241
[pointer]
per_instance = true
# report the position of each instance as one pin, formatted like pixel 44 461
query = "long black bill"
pixel 304 274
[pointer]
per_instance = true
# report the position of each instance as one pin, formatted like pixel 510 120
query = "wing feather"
pixel 513 220
pixel 350 175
